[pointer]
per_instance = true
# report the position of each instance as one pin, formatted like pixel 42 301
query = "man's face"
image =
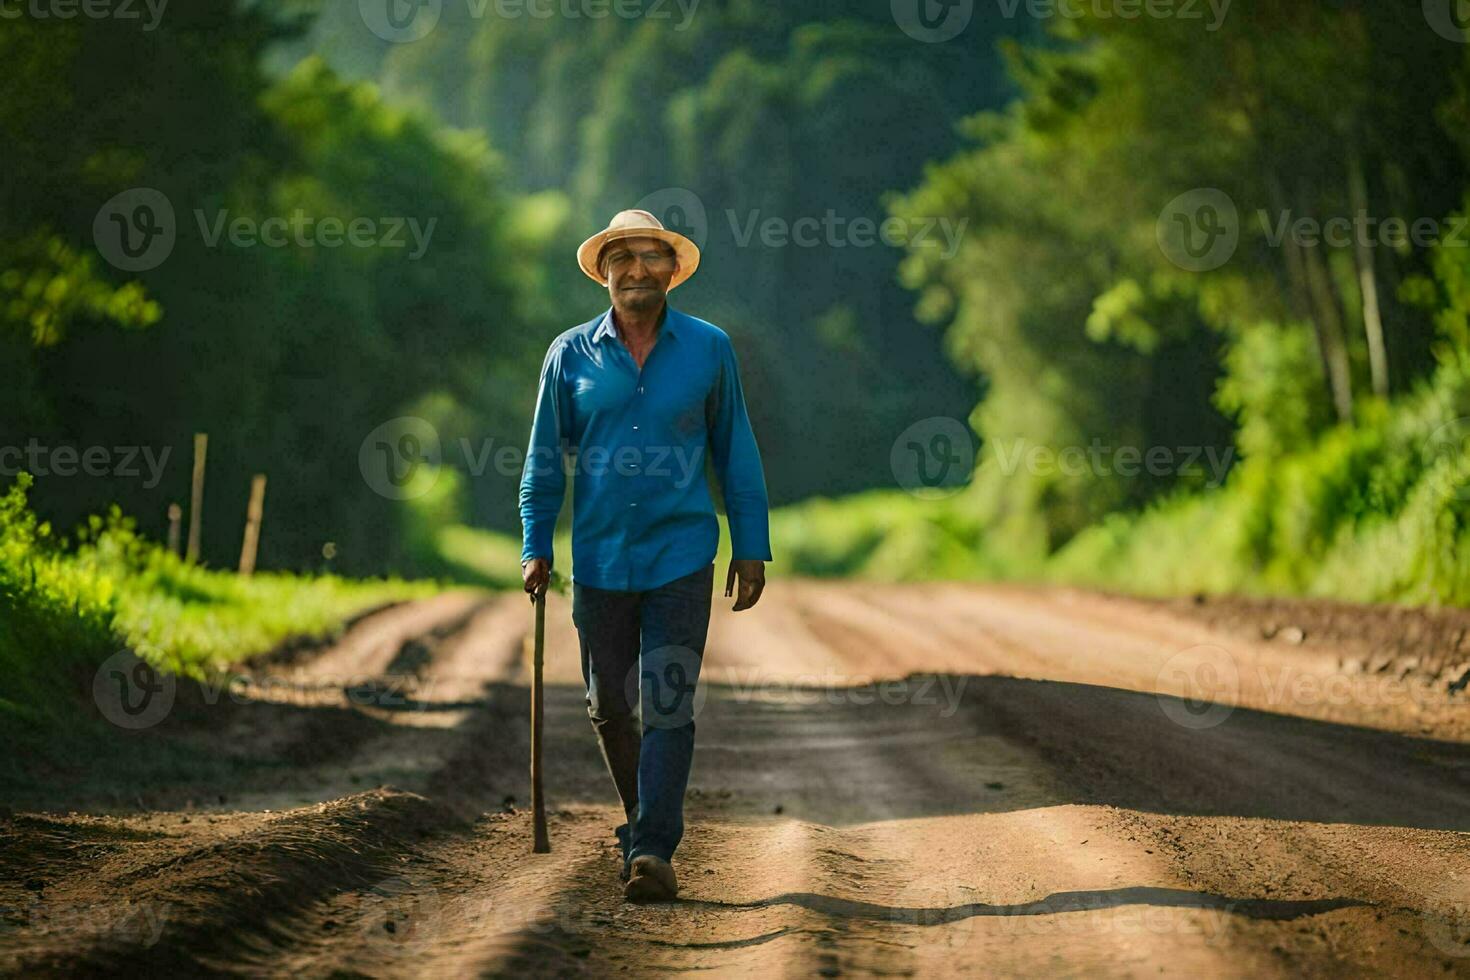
pixel 638 272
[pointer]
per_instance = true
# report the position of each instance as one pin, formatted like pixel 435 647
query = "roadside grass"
pixel 68 604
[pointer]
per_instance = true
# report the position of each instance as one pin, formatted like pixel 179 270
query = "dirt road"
pixel 889 780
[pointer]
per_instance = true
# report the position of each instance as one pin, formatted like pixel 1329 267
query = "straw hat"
pixel 634 223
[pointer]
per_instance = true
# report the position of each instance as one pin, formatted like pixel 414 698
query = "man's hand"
pixel 752 572
pixel 535 576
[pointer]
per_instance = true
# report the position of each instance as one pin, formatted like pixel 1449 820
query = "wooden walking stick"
pixel 538 803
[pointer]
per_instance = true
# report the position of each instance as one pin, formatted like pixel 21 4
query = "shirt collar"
pixel 668 324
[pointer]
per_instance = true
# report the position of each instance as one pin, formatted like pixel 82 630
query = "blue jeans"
pixel 645 648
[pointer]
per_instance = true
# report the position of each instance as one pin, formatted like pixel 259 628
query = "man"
pixel 639 397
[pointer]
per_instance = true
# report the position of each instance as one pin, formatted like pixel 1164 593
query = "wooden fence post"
pixel 253 515
pixel 175 516
pixel 196 501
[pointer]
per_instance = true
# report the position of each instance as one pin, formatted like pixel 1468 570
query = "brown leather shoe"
pixel 651 879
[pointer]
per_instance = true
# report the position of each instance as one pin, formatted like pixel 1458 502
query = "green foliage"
pixel 885 535
pixel 1375 512
pixel 786 112
pixel 1272 387
pixel 1065 301
pixel 46 285
pixel 66 605
pixel 55 614
pixel 287 356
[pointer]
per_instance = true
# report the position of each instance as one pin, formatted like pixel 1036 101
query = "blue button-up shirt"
pixel 636 443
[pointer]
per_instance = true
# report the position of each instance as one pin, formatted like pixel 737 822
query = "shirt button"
pixel 633 505
pixel 640 389
pixel 635 428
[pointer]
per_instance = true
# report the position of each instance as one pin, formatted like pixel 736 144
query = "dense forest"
pixel 1213 268
pixel 1322 346
pixel 507 141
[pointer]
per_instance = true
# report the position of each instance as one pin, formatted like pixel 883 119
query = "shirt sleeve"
pixel 543 479
pixel 737 463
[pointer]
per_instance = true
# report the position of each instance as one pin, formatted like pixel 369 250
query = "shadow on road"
pixel 1078 901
